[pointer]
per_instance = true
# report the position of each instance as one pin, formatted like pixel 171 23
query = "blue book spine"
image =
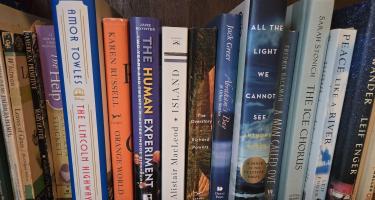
pixel 265 28
pixel 78 60
pixel 228 41
pixel 358 99
pixel 145 77
pixel 280 116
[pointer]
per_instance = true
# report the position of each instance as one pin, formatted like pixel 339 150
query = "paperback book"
pixel 23 113
pixel 201 80
pixel 6 191
pixel 174 87
pixel 53 104
pixel 40 112
pixel 228 41
pixel 9 131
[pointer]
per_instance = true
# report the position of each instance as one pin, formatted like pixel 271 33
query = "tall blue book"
pixel 227 49
pixel 81 66
pixel 358 99
pixel 145 77
pixel 265 26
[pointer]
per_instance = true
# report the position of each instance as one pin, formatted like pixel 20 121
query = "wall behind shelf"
pixel 170 12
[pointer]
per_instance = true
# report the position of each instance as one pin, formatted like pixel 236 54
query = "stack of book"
pixel 268 101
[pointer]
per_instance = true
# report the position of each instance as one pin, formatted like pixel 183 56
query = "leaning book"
pixel 23 115
pixel 53 98
pixel 312 19
pixel 9 128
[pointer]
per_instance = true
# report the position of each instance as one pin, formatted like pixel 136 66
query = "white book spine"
pixel 312 19
pixel 82 107
pixel 242 9
pixel 174 89
pixel 331 99
pixel 10 136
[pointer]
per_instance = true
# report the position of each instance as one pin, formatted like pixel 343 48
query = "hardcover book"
pixel 227 46
pixel 331 98
pixel 81 64
pixel 258 95
pixel 145 77
pixel 365 182
pixel 53 103
pixel 312 19
pixel 201 80
pixel 358 99
pixel 6 191
pixel 174 87
pixel 40 112
pixel 23 115
pixel 242 9
pixel 116 52
pixel 287 55
pixel 9 131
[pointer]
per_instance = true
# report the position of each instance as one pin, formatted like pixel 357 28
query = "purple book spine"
pixel 52 93
pixel 145 75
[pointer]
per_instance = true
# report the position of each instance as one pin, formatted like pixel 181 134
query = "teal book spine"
pixel 312 19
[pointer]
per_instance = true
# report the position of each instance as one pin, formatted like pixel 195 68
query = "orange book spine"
pixel 116 52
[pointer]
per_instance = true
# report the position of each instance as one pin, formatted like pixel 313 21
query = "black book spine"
pixel 40 112
pixel 280 115
pixel 359 98
pixel 201 73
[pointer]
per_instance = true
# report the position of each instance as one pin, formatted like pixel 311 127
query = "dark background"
pixel 170 12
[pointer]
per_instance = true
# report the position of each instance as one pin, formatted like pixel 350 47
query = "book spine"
pixel 228 37
pixel 6 191
pixel 8 128
pixel 331 98
pixel 116 51
pixel 174 87
pixel 23 113
pixel 314 31
pixel 145 77
pixel 201 75
pixel 259 87
pixel 287 55
pixel 52 93
pixel 40 113
pixel 242 9
pixel 78 60
pixel 358 100
pixel 365 182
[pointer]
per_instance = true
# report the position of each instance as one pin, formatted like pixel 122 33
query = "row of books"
pixel 264 102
